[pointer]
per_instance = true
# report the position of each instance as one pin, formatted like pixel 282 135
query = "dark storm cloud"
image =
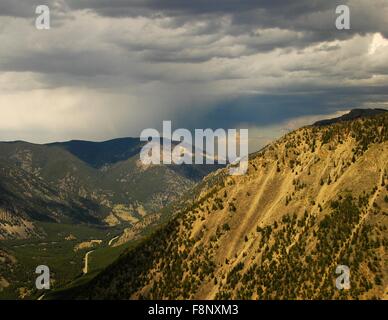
pixel 255 26
pixel 199 63
pixel 26 8
pixel 201 7
pixel 311 21
pixel 82 63
pixel 303 15
pixel 261 110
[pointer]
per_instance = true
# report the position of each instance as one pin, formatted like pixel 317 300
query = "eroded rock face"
pixel 13 226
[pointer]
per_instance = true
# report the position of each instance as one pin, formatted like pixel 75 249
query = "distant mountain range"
pixel 83 182
pixel 99 154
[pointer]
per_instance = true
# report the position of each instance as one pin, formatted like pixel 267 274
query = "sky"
pixel 111 68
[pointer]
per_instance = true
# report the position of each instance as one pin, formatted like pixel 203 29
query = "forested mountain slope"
pixel 315 199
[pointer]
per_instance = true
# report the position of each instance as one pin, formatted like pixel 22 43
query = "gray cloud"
pixel 302 15
pixel 198 63
pixel 18 8
pixel 202 7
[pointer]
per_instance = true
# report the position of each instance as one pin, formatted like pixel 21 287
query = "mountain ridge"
pixel 312 200
pixel 353 114
pixel 100 176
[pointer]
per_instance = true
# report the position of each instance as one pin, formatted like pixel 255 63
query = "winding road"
pixel 85 270
pixel 86 259
pixel 113 239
